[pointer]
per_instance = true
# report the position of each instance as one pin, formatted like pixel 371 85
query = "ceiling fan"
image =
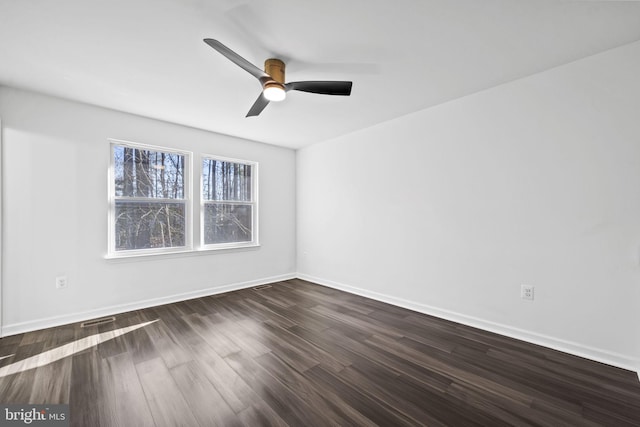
pixel 272 80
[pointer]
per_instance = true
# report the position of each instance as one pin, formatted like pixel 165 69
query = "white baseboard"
pixel 577 349
pixel 49 322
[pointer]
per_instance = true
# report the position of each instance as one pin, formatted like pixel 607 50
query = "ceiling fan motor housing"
pixel 275 68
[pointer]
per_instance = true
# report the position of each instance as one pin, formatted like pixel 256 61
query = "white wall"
pixel 449 210
pixel 54 166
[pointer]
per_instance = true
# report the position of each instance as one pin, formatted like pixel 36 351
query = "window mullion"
pixel 228 202
pixel 148 200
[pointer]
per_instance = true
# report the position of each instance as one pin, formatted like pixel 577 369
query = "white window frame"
pixel 254 205
pixel 188 201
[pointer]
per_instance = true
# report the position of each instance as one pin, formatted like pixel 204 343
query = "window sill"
pixel 141 256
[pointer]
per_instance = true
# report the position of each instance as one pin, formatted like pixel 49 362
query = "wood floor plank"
pixel 455 373
pixel 171 348
pixel 207 405
pixel 252 304
pixel 341 354
pixel 390 361
pixel 112 346
pixel 242 334
pixel 261 414
pixel 212 334
pixel 52 383
pixel 606 416
pixel 167 404
pixel 140 347
pixel 173 319
pixel 10 343
pixel 290 406
pixel 86 398
pixel 356 320
pixel 374 409
pixel 123 390
pixel 233 389
pixel 327 403
pixel 370 379
pixel 17 388
pixel 35 337
pixel 507 412
pixel 442 407
pixel 59 336
pixel 313 354
pixel 302 317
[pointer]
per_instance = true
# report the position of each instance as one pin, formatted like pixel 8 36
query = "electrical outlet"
pixel 526 292
pixel 61 282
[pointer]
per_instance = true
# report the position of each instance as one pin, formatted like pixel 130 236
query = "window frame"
pixel 187 201
pixel 254 204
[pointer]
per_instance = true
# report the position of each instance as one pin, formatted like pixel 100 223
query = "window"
pixel 150 204
pixel 229 210
pixel 151 208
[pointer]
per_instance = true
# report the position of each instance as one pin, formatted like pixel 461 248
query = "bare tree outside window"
pixel 151 208
pixel 227 192
pixel 150 204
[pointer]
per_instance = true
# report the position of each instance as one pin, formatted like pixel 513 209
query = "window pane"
pixel 149 225
pixel 145 173
pixel 224 223
pixel 226 181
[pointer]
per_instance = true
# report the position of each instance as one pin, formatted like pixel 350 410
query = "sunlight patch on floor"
pixel 66 350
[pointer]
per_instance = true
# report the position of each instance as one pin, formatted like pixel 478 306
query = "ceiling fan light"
pixel 274 92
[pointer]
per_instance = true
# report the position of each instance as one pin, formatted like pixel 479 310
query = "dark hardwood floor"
pixel 300 354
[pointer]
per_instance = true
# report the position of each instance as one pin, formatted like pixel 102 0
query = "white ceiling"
pixel 147 56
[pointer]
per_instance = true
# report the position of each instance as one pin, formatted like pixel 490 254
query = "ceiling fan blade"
pixel 258 106
pixel 237 59
pixel 324 88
